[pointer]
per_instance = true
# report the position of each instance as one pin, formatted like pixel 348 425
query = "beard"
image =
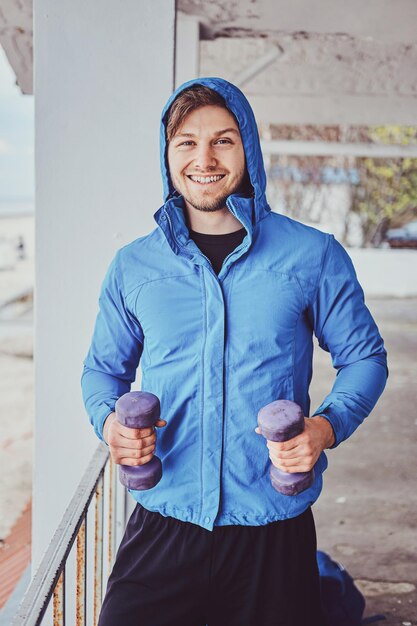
pixel 209 205
pixel 212 204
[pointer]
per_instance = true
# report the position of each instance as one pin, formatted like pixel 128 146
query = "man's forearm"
pixel 100 393
pixel 354 394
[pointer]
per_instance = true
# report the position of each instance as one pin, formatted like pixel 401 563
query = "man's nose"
pixel 204 158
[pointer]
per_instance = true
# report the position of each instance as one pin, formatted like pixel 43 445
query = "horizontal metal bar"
pixel 333 148
pixel 40 590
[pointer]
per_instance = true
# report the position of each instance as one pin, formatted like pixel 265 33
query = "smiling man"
pixel 207 163
pixel 219 304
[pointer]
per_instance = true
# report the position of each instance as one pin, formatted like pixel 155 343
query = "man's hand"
pixel 300 453
pixel 130 446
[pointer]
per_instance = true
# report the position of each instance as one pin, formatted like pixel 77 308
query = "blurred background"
pixel 334 91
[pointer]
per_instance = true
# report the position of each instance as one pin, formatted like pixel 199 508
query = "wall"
pixel 102 74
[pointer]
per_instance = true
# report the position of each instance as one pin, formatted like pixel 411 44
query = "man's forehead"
pixel 216 133
pixel 208 119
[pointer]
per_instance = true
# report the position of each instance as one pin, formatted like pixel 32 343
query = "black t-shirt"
pixel 217 247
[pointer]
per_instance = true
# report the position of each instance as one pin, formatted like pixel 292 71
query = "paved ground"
pixel 367 515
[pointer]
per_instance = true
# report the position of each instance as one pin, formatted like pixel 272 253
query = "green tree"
pixel 387 194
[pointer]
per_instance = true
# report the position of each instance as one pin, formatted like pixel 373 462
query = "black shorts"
pixel 173 573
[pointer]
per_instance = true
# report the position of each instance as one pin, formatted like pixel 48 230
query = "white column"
pixel 103 70
pixel 187 48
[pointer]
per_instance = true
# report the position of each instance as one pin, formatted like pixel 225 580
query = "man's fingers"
pixel 300 464
pixel 293 453
pixel 291 464
pixel 135 462
pixel 135 433
pixel 127 456
pixel 303 461
pixel 295 469
pixel 118 441
pixel 135 453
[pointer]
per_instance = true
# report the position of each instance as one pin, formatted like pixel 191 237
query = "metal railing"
pixel 98 493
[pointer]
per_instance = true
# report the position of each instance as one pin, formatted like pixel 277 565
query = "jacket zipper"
pixel 184 248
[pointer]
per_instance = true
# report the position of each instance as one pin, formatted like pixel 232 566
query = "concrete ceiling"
pixel 16 40
pixel 326 62
pixel 376 20
pixel 300 62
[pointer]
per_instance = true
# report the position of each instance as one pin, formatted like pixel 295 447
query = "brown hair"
pixel 188 100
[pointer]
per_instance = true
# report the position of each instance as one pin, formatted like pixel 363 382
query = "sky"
pixel 16 138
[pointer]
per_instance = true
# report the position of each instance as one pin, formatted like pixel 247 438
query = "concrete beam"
pixel 332 109
pixel 332 148
pixel 16 39
pixel 377 20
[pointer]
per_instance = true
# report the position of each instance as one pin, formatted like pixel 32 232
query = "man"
pixel 219 304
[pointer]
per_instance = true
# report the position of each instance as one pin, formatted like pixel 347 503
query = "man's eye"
pixel 186 143
pixel 223 141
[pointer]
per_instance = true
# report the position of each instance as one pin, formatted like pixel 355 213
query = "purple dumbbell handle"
pixel 280 421
pixel 139 409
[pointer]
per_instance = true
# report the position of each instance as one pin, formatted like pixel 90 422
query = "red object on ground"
pixel 15 554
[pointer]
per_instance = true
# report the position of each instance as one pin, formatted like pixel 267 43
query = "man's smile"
pixel 205 180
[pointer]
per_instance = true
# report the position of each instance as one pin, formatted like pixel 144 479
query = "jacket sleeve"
pixel 344 327
pixel 115 350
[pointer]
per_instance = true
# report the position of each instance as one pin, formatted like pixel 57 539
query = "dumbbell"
pixel 280 421
pixel 139 409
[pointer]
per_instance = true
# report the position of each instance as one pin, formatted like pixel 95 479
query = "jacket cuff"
pixel 102 415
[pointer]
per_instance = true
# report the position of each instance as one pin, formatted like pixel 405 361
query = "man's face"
pixel 206 158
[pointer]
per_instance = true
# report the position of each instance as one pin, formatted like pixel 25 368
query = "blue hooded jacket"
pixel 216 349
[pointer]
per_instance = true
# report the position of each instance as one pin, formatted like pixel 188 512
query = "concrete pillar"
pixel 103 71
pixel 187 48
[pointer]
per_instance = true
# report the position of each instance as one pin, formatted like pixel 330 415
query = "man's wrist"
pixel 106 425
pixel 328 432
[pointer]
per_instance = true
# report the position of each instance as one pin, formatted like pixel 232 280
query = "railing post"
pixel 81 574
pixel 98 550
pixel 49 579
pixel 110 516
pixel 59 601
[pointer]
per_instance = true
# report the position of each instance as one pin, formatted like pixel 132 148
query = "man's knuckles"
pixel 117 438
pixel 136 457
pixel 307 461
pixel 144 432
pixel 142 460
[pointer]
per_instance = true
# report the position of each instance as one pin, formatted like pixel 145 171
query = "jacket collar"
pixel 171 218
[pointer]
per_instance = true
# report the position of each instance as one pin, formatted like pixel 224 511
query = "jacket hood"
pixel 240 107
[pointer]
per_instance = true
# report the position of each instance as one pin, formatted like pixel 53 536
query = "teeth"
pixel 206 179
